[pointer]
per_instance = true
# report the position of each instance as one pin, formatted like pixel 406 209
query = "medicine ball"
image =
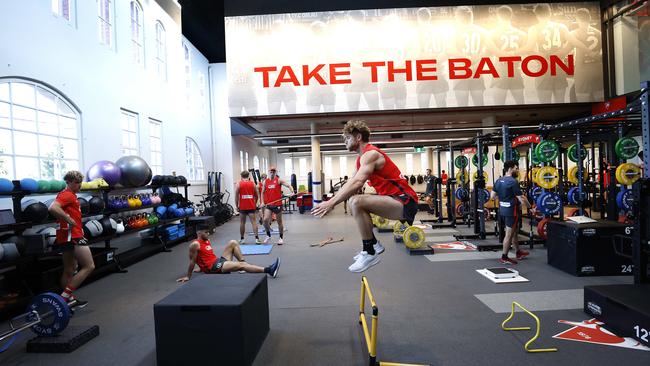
pixel 96 205
pixel 29 184
pixel 9 252
pixel 156 180
pixel 34 211
pixel 109 226
pixel 6 185
pixel 16 248
pixel 119 227
pixel 182 179
pixel 92 229
pixel 412 180
pixel 84 205
pixel 49 233
pixel 420 179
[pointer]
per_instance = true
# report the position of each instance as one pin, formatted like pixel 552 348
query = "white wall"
pixel 253 148
pixel 100 80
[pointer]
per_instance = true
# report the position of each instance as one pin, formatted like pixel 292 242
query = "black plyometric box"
pixel 586 249
pixel 625 309
pixel 213 320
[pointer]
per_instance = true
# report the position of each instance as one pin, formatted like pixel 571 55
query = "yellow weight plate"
pixel 462 176
pixel 382 222
pixel 475 175
pixel 628 173
pixel 547 177
pixel 533 175
pixel 413 237
pixel 399 227
pixel 572 176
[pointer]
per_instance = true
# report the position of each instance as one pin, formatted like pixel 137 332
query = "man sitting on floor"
pixel 201 254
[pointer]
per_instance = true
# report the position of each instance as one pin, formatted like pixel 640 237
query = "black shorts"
pixel 274 209
pixel 216 267
pixel 247 212
pixel 511 221
pixel 409 209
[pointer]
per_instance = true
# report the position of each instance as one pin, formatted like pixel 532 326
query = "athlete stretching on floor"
pixel 201 254
pixel 395 199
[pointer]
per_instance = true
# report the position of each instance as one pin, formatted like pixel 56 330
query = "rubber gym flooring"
pixel 429 312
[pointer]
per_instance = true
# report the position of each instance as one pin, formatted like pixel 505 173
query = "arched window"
pixel 39 131
pixel 161 51
pixel 193 161
pixel 256 163
pixel 137 32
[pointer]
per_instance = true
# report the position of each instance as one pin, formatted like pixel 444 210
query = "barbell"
pixel 625 200
pixel 475 175
pixel 626 148
pixel 462 177
pixel 549 203
pixel 484 160
pixel 572 175
pixel 572 153
pixel 47 315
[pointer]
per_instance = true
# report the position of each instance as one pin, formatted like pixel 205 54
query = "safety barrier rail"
pixel 371 336
pixel 512 314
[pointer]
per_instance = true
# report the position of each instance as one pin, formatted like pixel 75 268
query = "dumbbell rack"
pixel 106 258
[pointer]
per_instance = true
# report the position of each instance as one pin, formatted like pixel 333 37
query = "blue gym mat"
pixel 253 249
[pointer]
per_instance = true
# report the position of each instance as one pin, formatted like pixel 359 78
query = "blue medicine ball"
pixel 6 185
pixel 29 184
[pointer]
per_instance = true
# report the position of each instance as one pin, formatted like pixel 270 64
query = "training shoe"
pixel 75 303
pixel 507 261
pixel 521 254
pixel 275 267
pixel 267 240
pixel 241 241
pixel 258 241
pixel 281 241
pixel 364 261
pixel 378 250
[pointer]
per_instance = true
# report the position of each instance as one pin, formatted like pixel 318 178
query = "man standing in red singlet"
pixel 71 236
pixel 246 197
pixel 201 254
pixel 272 203
pixel 395 199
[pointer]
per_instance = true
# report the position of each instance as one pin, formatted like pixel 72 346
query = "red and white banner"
pixel 525 140
pixel 469 150
pixel 592 331
pixel 433 57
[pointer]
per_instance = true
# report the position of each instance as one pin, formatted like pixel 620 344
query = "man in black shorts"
pixel 201 254
pixel 272 203
pixel 511 199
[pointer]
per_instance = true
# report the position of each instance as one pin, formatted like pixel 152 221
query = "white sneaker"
pixel 364 261
pixel 241 241
pixel 378 250
pixel 267 240
pixel 280 241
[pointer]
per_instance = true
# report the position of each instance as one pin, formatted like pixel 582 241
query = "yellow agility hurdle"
pixel 512 314
pixel 371 337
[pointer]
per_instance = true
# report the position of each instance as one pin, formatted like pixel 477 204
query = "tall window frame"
pixel 130 126
pixel 137 32
pixel 155 146
pixel 63 9
pixel 343 166
pixel 161 51
pixel 105 18
pixel 40 134
pixel 194 161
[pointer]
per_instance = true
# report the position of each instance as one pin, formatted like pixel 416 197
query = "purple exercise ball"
pixel 105 169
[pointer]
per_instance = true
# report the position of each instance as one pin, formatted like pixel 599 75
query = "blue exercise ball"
pixel 135 171
pixel 6 185
pixel 29 184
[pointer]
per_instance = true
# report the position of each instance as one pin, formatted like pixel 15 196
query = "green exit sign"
pixel 418 149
